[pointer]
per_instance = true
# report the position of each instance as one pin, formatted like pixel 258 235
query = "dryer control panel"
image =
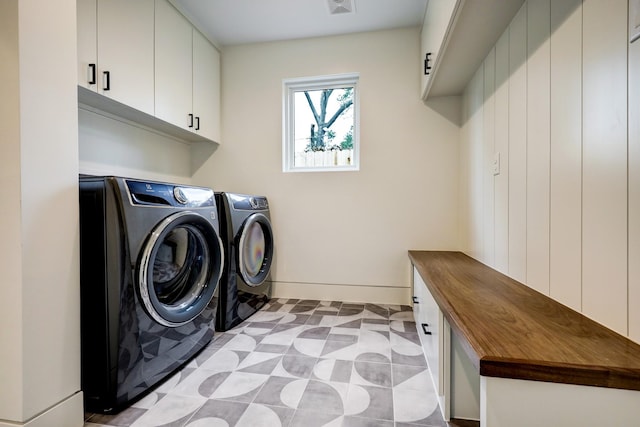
pixel 149 193
pixel 249 203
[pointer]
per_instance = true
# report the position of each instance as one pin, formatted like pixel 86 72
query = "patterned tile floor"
pixel 299 363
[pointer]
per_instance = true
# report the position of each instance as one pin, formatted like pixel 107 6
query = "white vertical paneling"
pixel 475 184
pixel 464 216
pixel 501 181
pixel 488 145
pixel 518 146
pixel 566 204
pixel 566 153
pixel 538 144
pixel 634 191
pixel 604 203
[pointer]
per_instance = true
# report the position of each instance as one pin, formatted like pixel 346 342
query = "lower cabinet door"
pixel 434 333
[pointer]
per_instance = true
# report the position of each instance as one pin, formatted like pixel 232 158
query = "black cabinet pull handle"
pixel 415 300
pixel 190 120
pixel 106 82
pixel 197 123
pixel 92 74
pixel 424 329
pixel 427 64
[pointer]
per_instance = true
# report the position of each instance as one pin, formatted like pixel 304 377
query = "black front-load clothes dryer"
pixel 150 261
pixel 245 228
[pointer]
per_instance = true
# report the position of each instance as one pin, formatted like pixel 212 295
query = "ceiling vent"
pixel 340 6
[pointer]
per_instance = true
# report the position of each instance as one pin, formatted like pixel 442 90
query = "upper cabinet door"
pixel 206 87
pixel 87 44
pixel 125 32
pixel 438 21
pixel 174 69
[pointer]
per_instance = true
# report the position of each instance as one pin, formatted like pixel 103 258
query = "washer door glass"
pixel 180 268
pixel 255 249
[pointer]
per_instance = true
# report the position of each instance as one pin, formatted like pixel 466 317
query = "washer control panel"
pixel 148 193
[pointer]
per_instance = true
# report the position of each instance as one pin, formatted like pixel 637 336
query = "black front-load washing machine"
pixel 150 261
pixel 245 228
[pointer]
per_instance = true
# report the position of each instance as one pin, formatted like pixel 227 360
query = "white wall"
pixel 112 146
pixel 39 294
pixel 342 235
pixel 564 174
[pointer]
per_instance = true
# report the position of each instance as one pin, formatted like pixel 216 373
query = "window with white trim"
pixel 320 123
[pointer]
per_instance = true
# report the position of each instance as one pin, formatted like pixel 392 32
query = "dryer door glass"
pixel 180 268
pixel 255 249
pixel 179 264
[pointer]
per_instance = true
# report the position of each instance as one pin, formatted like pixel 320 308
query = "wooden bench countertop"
pixel 509 330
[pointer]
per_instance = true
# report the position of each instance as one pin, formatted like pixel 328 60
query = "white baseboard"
pixel 345 293
pixel 68 413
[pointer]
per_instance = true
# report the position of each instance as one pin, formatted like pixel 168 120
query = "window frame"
pixel 334 81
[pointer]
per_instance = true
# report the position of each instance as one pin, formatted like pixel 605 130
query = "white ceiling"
pixel 229 22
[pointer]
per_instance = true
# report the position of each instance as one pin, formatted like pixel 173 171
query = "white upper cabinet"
pixel 458 34
pixel 438 21
pixel 115 50
pixel 187 91
pixel 206 87
pixel 144 61
pixel 174 67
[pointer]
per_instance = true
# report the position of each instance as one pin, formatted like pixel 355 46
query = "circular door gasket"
pixel 255 249
pixel 179 268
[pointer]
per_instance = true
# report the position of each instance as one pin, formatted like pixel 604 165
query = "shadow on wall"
pixel 449 107
pixel 200 153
